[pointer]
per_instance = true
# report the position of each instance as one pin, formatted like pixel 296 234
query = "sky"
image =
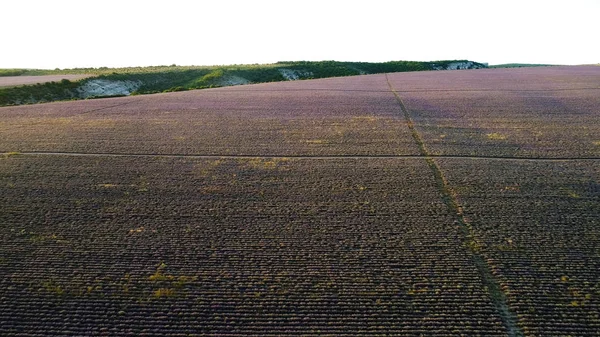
pixel 124 33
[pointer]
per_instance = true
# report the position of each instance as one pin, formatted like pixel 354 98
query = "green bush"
pixel 11 72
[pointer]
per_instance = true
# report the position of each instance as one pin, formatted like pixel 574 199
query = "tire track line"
pixel 495 291
pixel 107 107
pixel 415 91
pixel 290 156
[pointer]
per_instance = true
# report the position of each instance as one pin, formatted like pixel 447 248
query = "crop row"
pixel 246 247
pixel 545 112
pixel 315 119
pixel 143 245
pixel 540 235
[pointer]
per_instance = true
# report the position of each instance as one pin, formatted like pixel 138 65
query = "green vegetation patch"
pixel 12 72
pixel 9 154
pixel 39 93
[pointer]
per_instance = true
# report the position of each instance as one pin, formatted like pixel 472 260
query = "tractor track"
pixel 291 156
pixel 497 295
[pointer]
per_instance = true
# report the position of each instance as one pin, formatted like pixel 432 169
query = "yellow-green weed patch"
pixel 496 136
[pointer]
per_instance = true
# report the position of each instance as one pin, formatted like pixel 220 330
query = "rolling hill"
pixel 108 82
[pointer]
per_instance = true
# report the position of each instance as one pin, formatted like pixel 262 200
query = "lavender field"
pixel 439 203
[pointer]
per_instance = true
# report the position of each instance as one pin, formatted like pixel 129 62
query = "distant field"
pixel 8 81
pixel 429 203
pixel 521 65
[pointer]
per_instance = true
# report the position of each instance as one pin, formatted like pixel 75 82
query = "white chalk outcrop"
pixel 293 75
pixel 458 66
pixel 101 87
pixel 234 80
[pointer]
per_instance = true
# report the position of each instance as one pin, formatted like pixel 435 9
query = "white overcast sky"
pixel 79 33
